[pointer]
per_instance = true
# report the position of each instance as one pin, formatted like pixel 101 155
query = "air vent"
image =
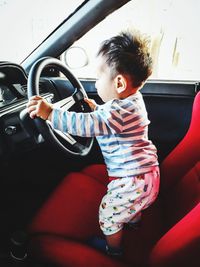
pixel 21 89
pixel 24 88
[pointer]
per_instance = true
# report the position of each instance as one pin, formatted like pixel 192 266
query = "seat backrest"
pixel 180 245
pixel 183 197
pixel 180 172
pixel 180 196
pixel 186 154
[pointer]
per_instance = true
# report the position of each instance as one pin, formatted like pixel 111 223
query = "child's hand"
pixel 91 103
pixel 39 107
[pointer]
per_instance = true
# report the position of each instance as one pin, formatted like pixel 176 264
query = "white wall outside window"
pixel 173 29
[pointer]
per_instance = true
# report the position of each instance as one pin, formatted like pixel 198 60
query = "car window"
pixel 26 23
pixel 172 27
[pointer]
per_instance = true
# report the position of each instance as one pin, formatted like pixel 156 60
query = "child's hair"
pixel 128 53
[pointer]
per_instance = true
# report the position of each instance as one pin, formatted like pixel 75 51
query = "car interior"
pixel 52 184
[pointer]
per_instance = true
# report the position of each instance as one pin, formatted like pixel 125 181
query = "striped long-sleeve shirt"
pixel 121 129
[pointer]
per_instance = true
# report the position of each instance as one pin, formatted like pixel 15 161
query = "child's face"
pixel 105 84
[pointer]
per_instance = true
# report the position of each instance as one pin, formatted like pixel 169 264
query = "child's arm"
pixel 39 107
pixel 98 122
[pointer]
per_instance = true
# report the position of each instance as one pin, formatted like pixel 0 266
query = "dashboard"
pixel 13 82
pixel 14 134
pixel 7 96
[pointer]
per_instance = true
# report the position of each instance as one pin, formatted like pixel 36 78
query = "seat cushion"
pixel 98 172
pixel 70 216
pixel 72 210
pixel 63 252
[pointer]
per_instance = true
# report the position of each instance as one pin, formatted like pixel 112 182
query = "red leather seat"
pixel 170 231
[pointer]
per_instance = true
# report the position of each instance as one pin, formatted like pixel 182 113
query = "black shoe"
pixel 97 243
pixel 114 252
pixel 101 245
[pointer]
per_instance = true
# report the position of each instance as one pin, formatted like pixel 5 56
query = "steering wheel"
pixel 62 141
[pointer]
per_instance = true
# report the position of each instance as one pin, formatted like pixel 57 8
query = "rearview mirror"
pixel 76 57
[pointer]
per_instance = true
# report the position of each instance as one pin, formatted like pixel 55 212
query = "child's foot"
pixel 101 245
pixel 114 252
pixel 98 243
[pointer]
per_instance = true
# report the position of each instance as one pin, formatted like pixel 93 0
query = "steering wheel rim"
pixel 43 126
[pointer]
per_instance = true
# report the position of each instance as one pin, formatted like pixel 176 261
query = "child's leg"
pixel 115 240
pixel 118 207
pixel 123 203
pixel 114 244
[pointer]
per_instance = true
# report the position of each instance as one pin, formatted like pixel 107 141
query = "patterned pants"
pixel 126 198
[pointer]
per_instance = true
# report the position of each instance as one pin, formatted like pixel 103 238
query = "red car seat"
pixel 170 231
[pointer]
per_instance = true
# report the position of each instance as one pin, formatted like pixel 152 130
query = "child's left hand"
pixel 91 103
pixel 39 107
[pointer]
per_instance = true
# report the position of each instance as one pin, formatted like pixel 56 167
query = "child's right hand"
pixel 91 103
pixel 39 107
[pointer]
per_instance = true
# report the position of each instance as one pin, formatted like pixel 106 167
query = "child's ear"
pixel 120 83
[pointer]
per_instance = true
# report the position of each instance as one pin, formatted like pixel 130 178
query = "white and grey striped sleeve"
pixel 96 123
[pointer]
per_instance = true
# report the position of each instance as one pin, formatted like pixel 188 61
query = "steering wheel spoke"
pixel 67 137
pixel 65 104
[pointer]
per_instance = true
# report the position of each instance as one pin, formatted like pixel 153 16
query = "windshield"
pixel 26 23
